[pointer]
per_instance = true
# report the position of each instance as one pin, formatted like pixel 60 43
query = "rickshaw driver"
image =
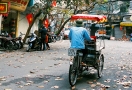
pixel 77 36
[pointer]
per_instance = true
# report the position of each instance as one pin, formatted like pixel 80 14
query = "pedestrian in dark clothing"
pixel 93 28
pixel 43 32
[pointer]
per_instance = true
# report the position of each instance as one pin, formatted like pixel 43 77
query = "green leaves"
pixel 87 1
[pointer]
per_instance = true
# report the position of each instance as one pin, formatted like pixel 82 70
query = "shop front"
pixel 127 28
pixel 9 21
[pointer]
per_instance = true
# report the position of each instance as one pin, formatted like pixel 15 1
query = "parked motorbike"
pixel 7 42
pixel 33 42
pixel 19 41
pixel 53 38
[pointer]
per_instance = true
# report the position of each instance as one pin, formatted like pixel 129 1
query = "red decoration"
pixel 4 8
pixel 46 23
pixel 53 3
pixel 29 18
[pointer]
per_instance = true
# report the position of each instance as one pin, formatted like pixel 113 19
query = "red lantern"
pixel 46 23
pixel 29 18
pixel 53 3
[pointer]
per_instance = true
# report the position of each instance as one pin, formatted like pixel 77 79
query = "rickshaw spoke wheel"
pixel 73 74
pixel 100 66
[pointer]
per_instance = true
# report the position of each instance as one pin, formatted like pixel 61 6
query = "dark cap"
pixel 79 23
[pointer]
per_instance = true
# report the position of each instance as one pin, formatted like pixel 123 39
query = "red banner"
pixel 29 18
pixel 46 23
pixel 4 8
pixel 53 3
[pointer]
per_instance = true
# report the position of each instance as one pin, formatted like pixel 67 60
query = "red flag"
pixel 53 3
pixel 29 18
pixel 46 23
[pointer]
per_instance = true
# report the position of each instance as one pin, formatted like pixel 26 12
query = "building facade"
pixel 14 21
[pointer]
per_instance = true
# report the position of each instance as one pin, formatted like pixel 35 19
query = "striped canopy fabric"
pixel 98 18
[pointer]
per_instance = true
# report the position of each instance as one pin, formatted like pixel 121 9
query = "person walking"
pixel 43 33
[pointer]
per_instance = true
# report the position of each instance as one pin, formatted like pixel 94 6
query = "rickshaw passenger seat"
pixel 91 46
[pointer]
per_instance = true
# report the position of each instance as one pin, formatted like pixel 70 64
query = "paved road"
pixel 48 70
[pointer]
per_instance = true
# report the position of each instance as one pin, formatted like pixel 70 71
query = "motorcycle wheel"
pixel 16 46
pixel 21 45
pixel 58 38
pixel 28 48
pixel 9 45
pixel 54 39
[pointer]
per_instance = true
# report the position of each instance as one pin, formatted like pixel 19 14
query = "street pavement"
pixel 48 70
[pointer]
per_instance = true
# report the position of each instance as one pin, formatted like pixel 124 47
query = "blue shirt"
pixel 77 36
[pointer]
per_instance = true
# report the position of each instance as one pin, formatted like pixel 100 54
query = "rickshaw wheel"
pixel 73 73
pixel 100 63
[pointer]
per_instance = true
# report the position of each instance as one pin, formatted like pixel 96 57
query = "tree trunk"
pixel 30 26
pixel 60 29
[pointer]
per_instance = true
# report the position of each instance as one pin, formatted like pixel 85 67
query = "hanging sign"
pixel 19 5
pixel 4 8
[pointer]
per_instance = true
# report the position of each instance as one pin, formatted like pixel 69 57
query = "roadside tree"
pixel 60 10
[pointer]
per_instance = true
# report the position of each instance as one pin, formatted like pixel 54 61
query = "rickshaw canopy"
pixel 98 18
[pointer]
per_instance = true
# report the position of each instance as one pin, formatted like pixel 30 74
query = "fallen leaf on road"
pixel 58 78
pixel 22 56
pixel 32 72
pixel 7 89
pixel 107 86
pixel 98 84
pixel 55 87
pixel 40 86
pixel 103 88
pixel 27 84
pixel 93 85
pixel 73 88
pixel 89 82
pixel 108 80
pixel 20 86
pixel 2 79
pixel 46 81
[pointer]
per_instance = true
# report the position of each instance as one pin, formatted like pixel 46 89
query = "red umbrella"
pixel 98 18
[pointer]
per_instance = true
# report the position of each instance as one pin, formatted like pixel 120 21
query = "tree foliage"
pixel 65 8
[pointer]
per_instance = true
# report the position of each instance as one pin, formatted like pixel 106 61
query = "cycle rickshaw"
pixel 94 58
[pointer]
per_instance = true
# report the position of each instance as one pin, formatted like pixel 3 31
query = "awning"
pixel 99 18
pixel 126 24
pixel 4 8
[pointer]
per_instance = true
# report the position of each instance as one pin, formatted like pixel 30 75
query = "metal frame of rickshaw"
pixel 96 59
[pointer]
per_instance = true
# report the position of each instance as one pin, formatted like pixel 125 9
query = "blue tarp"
pixel 31 3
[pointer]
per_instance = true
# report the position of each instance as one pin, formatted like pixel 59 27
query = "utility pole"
pixel 109 19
